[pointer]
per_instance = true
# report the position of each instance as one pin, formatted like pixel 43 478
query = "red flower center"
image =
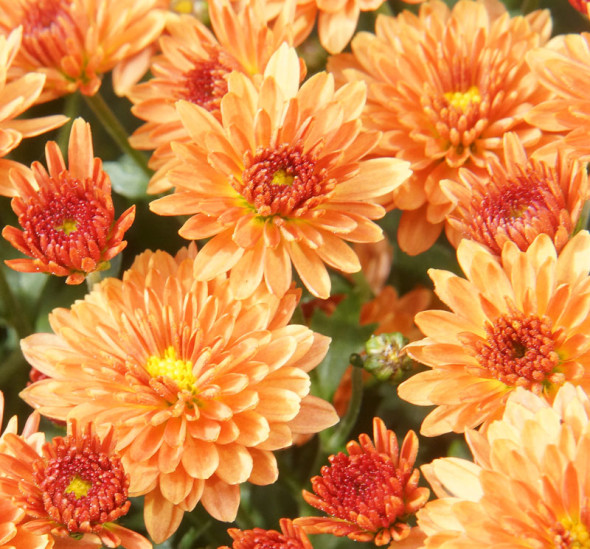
pixel 366 484
pixel 82 488
pixel 529 199
pixel 520 350
pixel 205 84
pixel 67 217
pixel 283 181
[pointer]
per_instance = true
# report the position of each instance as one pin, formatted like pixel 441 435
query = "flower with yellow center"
pixel 281 179
pixel 517 321
pixel 200 387
pixel 528 486
pixel 75 486
pixel 444 86
pixel 194 65
pixel 74 42
pixel 518 199
pixel 16 96
pixel 66 212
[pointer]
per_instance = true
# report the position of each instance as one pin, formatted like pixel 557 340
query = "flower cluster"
pixel 244 242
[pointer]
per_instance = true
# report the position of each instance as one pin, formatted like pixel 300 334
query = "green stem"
pixel 14 312
pixel 115 129
pixel 71 110
pixel 334 441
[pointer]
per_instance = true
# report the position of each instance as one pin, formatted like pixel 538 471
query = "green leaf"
pixel 347 338
pixel 127 179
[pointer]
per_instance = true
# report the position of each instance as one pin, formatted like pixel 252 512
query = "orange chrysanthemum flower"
pixel 529 485
pixel 75 486
pixel 16 96
pixel 74 42
pixel 518 199
pixel 563 67
pixel 66 213
pixel 519 320
pixel 200 387
pixel 370 493
pixel 193 66
pixel 290 537
pixel 282 178
pixel 444 86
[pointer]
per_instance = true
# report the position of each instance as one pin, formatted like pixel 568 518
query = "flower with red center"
pixel 371 493
pixel 201 388
pixel 74 42
pixel 290 537
pixel 66 213
pixel 281 179
pixel 528 486
pixel 563 68
pixel 444 86
pixel 517 321
pixel 194 65
pixel 75 486
pixel 16 96
pixel 519 199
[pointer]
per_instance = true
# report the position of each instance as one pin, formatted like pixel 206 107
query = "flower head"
pixel 74 42
pixel 75 486
pixel 291 536
pixel 370 493
pixel 66 213
pixel 194 65
pixel 516 321
pixel 16 96
pixel 200 387
pixel 444 86
pixel 528 486
pixel 280 179
pixel 519 199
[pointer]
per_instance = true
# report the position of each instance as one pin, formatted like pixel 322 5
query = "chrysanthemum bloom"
pixel 16 96
pixel 444 86
pixel 516 321
pixel 194 65
pixel 74 42
pixel 280 179
pixel 290 537
pixel 66 213
pixel 73 488
pixel 371 493
pixel 529 485
pixel 518 199
pixel 563 67
pixel 200 387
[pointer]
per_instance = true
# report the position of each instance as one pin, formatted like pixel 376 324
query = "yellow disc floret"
pixel 462 100
pixel 79 487
pixel 178 370
pixel 576 536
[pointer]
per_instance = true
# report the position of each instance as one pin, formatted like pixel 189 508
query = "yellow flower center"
pixel 68 226
pixel 182 6
pixel 462 100
pixel 79 487
pixel 574 535
pixel 178 370
pixel 281 177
